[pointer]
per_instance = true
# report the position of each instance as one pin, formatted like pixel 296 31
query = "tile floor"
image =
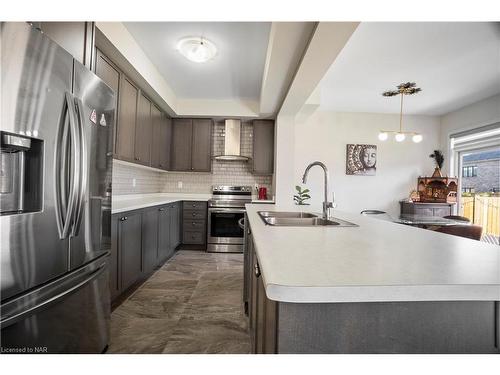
pixel 190 305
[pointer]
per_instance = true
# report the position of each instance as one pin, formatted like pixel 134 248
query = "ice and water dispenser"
pixel 21 172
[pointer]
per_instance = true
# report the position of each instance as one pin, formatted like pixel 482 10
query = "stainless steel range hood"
pixel 232 142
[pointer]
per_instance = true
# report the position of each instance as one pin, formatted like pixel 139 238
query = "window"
pixel 469 171
pixel 470 190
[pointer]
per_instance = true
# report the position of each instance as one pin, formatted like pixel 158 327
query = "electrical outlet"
pixel 134 182
pixel 179 184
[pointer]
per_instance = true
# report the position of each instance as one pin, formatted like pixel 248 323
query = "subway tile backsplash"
pixel 146 181
pixel 223 172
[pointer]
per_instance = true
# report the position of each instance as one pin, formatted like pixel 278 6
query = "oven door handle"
pixel 227 210
pixel 241 223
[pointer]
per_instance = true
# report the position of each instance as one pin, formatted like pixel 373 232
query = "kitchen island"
pixel 378 287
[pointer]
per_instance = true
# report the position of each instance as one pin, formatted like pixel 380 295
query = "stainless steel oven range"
pixel 226 213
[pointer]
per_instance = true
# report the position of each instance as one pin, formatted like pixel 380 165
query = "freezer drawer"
pixel 69 315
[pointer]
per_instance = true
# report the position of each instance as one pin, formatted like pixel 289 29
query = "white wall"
pixel 482 113
pixel 284 149
pixel 324 137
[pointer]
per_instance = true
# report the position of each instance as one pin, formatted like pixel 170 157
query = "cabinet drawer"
pixel 192 205
pixel 193 237
pixel 194 214
pixel 194 225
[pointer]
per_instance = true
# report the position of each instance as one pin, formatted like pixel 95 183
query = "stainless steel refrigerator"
pixel 55 198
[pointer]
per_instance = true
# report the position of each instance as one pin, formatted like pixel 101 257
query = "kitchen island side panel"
pixel 389 327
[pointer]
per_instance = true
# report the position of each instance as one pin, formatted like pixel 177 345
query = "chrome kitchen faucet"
pixel 326 205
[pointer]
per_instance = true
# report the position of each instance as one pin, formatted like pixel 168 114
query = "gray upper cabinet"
pixel 191 145
pixel 201 160
pixel 110 74
pixel 165 142
pixel 157 144
pixel 75 37
pixel 127 113
pixel 263 147
pixel 107 71
pixel 143 131
pixel 182 131
pixel 162 134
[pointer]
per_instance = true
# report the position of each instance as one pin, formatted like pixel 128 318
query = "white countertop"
pixel 376 261
pixel 129 202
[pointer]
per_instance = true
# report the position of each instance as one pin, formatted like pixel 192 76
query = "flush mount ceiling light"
pixel 196 49
pixel 407 88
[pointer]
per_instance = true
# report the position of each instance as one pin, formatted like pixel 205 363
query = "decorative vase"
pixel 437 172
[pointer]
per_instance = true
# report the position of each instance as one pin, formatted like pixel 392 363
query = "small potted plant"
pixel 439 161
pixel 301 196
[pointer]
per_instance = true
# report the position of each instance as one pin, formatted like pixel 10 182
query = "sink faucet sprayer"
pixel 326 205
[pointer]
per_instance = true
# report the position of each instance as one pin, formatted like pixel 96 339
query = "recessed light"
pixel 197 49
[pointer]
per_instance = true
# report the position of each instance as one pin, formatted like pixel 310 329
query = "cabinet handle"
pixel 257 269
pixel 194 224
pixel 123 218
pixel 161 209
pixel 194 214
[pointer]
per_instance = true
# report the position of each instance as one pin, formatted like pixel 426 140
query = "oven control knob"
pixel 216 188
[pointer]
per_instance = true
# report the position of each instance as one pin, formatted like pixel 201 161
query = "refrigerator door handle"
pixel 59 168
pixel 17 316
pixel 83 168
pixel 64 206
pixel 76 170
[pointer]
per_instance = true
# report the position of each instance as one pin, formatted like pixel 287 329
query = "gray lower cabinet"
pixel 194 223
pixel 141 241
pixel 130 248
pixel 150 239
pixel 164 245
pixel 263 147
pixel 114 275
pixel 368 327
pixel 175 226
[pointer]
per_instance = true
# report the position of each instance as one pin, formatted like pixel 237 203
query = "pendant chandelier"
pixel 403 89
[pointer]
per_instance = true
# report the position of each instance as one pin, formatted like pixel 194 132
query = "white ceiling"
pixel 455 64
pixel 234 73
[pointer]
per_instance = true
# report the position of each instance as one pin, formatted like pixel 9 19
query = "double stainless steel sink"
pixel 300 219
